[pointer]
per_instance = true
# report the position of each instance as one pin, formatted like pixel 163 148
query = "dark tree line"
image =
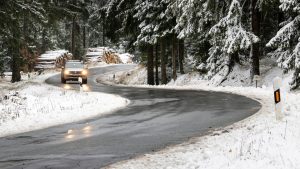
pixel 216 34
pixel 31 27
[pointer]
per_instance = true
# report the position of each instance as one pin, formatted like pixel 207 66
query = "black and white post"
pixel 277 82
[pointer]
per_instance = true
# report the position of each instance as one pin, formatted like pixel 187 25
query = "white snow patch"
pixel 137 76
pixel 126 58
pixel 32 105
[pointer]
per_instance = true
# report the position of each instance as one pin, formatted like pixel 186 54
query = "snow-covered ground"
pixel 256 142
pixel 31 105
pixel 137 76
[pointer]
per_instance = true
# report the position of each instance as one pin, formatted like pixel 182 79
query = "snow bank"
pixel 126 58
pixel 33 105
pixel 137 76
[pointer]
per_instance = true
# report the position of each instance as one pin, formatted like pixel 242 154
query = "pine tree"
pixel 97 22
pixel 11 14
pixel 228 38
pixel 287 41
pixel 255 47
pixel 194 20
pixel 156 22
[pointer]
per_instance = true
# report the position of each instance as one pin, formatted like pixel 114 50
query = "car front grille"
pixel 75 72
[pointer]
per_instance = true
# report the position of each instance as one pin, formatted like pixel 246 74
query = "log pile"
pixel 111 58
pixel 61 60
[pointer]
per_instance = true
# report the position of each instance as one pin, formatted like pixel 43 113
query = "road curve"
pixel 155 119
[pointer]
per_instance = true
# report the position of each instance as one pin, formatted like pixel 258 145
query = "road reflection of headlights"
pixel 67 87
pixel 86 88
pixel 87 129
pixel 70 134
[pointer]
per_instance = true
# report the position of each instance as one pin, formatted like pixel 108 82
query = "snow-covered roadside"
pixel 256 142
pixel 136 76
pixel 31 105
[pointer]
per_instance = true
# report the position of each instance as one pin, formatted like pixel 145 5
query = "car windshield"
pixel 74 65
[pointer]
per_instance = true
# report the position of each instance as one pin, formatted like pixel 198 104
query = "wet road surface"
pixel 154 119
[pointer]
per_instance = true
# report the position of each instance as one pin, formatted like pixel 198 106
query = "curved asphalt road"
pixel 154 119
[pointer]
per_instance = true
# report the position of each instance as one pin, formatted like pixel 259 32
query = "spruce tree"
pixel 228 38
pixel 287 41
pixel 12 15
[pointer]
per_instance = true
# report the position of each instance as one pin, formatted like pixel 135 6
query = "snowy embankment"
pixel 256 142
pixel 31 105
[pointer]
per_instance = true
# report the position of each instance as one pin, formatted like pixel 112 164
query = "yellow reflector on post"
pixel 277 96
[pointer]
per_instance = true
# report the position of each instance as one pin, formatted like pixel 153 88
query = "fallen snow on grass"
pixel 135 76
pixel 32 105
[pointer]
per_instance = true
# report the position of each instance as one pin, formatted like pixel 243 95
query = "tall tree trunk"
pixel 73 37
pixel 15 67
pixel 156 65
pixel 25 24
pixel 84 36
pixel 181 55
pixel 150 65
pixel 103 24
pixel 174 56
pixel 255 48
pixel 14 50
pixel 25 54
pixel 163 61
pixel 44 41
pixel 103 36
pixel 103 32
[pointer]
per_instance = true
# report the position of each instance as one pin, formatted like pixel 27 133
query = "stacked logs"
pixel 111 58
pixel 60 61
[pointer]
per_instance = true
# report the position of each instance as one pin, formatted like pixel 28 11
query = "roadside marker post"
pixel 256 78
pixel 80 84
pixel 277 98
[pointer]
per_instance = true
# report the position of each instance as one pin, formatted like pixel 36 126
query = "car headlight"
pixel 66 72
pixel 84 72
